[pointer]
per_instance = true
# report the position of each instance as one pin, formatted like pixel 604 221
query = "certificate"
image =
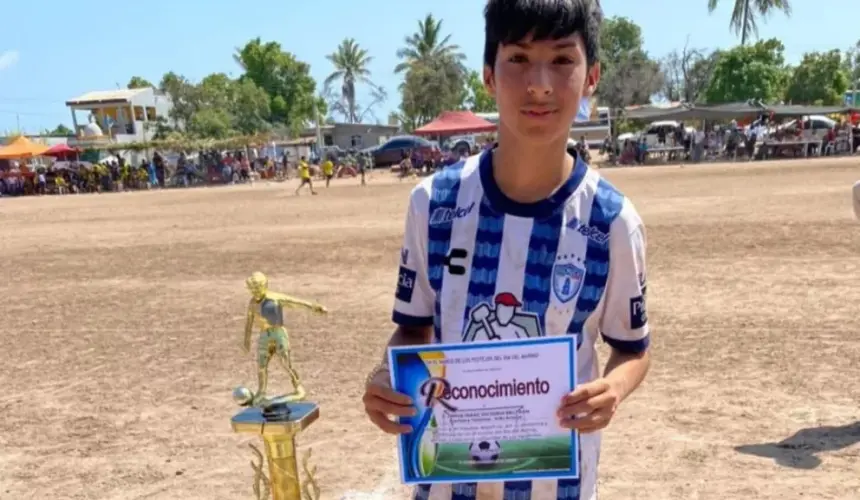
pixel 486 411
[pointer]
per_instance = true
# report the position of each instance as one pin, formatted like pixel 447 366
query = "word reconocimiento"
pixel 440 389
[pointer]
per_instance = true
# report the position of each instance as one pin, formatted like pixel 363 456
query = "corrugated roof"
pixel 106 96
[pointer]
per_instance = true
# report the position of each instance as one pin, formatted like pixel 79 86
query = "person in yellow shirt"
pixel 328 170
pixel 305 176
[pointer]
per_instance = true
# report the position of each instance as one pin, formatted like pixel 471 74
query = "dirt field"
pixel 123 315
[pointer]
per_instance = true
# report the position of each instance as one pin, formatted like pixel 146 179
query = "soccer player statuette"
pixel 280 418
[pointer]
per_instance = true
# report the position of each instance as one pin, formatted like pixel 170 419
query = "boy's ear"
pixel 592 78
pixel 490 80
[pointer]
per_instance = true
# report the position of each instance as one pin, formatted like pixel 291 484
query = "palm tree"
pixel 350 67
pixel 427 46
pixel 745 13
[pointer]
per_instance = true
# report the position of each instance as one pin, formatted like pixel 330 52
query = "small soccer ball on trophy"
pixel 243 396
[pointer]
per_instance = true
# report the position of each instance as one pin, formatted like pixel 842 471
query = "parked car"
pixel 391 152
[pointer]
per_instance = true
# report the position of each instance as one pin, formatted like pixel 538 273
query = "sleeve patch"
pixel 638 314
pixel 405 284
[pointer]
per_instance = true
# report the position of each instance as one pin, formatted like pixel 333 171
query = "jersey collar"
pixel 537 210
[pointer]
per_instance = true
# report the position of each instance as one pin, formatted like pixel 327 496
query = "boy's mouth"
pixel 538 112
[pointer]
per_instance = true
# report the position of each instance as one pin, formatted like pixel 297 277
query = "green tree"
pixel 211 122
pixel 629 75
pixel 215 91
pixel 183 95
pixel 851 65
pixel 749 72
pixel 251 108
pixel 820 77
pixel 747 13
pixel 478 99
pixel 687 74
pixel 138 82
pixel 434 74
pixel 351 67
pixel 285 79
pixel 60 131
pixel 428 46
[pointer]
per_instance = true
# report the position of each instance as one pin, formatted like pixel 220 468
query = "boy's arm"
pixel 624 324
pixel 414 298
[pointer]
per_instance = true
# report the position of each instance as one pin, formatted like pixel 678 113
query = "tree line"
pixel 275 91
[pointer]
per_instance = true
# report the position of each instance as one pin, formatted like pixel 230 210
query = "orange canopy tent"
pixel 21 147
pixel 456 122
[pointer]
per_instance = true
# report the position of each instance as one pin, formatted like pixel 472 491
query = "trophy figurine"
pixel 278 419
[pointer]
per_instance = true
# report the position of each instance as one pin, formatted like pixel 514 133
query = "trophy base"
pixel 276 418
pixel 279 424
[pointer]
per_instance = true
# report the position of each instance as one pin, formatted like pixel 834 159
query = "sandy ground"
pixel 123 314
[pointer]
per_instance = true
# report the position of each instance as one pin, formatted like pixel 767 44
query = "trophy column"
pixel 280 447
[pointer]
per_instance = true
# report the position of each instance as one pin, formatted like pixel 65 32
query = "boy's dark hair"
pixel 511 21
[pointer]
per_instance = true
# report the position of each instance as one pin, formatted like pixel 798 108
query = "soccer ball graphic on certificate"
pixel 485 452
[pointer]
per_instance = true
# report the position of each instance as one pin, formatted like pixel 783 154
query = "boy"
pixel 540 232
pixel 305 176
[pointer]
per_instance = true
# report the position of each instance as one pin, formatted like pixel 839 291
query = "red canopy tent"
pixel 456 122
pixel 61 151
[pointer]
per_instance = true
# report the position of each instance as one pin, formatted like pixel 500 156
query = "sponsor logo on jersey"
pixel 405 284
pixel 455 255
pixel 445 215
pixel 638 315
pixel 567 281
pixel 589 232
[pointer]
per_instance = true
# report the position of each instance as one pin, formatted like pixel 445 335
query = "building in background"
pixel 118 116
pixel 345 136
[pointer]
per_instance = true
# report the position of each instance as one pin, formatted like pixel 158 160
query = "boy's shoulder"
pixel 611 201
pixel 445 180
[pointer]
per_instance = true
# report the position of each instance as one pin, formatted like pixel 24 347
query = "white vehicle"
pixel 817 126
pixel 652 133
pixel 485 452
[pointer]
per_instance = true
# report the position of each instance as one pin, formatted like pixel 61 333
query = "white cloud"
pixel 8 59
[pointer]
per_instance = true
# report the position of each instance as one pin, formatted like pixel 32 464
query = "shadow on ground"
pixel 798 451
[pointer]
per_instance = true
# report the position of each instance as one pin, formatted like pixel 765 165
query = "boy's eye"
pixel 562 60
pixel 518 58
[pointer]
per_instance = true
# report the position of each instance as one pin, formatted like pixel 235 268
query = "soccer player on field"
pixel 527 229
pixel 305 176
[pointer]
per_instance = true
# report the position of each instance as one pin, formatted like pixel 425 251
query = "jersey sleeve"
pixel 414 297
pixel 624 324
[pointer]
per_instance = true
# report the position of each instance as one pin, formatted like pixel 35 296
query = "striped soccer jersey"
pixel 574 263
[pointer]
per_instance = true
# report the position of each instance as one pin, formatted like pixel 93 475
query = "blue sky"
pixel 54 54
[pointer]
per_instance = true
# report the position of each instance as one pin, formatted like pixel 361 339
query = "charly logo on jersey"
pixel 590 232
pixel 504 319
pixel 446 215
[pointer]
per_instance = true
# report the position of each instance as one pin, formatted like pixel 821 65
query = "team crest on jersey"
pixel 503 320
pixel 567 281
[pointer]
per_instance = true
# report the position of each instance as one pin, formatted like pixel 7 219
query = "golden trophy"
pixel 278 419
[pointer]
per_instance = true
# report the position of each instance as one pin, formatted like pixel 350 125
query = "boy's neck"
pixel 530 173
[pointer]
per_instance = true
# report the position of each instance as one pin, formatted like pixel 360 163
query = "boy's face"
pixel 538 86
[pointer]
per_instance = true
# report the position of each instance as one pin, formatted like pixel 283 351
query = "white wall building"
pixel 118 116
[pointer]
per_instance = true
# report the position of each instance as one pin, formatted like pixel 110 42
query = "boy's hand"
pixel 381 402
pixel 590 407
